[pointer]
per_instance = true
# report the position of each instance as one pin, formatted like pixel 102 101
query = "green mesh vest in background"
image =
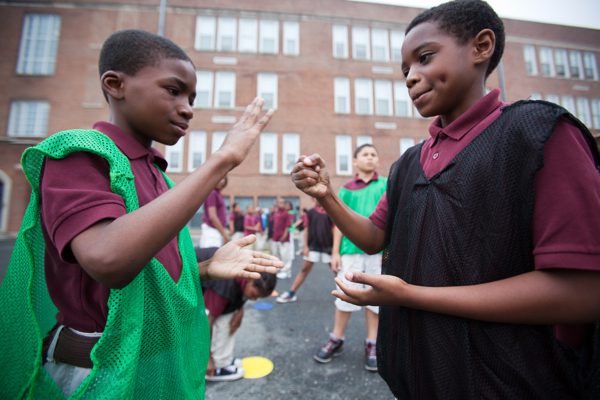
pixel 156 340
pixel 363 201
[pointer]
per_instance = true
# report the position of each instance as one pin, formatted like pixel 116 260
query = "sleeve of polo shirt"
pixel 566 232
pixel 379 216
pixel 75 194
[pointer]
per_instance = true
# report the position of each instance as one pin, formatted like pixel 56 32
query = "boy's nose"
pixel 186 111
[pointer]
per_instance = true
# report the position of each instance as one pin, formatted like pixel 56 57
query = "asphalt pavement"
pixel 289 335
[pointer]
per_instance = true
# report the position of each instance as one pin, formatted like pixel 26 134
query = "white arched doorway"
pixel 5 187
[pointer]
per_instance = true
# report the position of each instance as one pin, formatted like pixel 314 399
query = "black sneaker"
pixel 331 349
pixel 370 357
pixel 228 373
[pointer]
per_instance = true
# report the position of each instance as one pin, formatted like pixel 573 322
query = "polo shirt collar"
pixel 357 178
pixel 467 121
pixel 129 146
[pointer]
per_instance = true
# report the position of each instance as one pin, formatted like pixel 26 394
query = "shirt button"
pixel 435 155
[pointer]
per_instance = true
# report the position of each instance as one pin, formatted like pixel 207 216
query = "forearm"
pixel 360 230
pixel 538 297
pixel 115 252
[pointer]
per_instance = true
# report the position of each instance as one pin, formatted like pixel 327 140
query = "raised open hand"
pixel 242 136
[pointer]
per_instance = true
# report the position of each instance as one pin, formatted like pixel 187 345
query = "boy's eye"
pixel 405 72
pixel 425 57
pixel 173 91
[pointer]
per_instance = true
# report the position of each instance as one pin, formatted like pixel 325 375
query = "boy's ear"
pixel 112 84
pixel 484 44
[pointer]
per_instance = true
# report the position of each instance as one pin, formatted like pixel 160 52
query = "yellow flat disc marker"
pixel 256 367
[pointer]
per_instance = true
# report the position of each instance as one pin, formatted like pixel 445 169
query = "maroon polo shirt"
pixel 215 199
pixel 282 220
pixel 251 220
pixel 567 191
pixel 357 183
pixel 215 303
pixel 75 194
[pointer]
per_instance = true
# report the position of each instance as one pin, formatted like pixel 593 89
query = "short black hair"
pixel 464 19
pixel 130 50
pixel 266 284
pixel 362 146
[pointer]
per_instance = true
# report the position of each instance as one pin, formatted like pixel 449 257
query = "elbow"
pixel 106 269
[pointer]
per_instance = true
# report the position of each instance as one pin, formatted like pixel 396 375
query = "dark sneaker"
pixel 286 297
pixel 371 357
pixel 331 349
pixel 228 373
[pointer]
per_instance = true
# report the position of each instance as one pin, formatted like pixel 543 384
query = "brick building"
pixel 331 68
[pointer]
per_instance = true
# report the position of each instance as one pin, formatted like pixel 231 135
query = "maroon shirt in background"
pixel 282 220
pixel 565 188
pixel 215 303
pixel 251 220
pixel 75 194
pixel 215 199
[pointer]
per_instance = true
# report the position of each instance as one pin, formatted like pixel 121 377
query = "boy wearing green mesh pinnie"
pixel 102 297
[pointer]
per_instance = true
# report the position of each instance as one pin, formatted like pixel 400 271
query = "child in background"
pixel 214 220
pixel 253 226
pixel 280 241
pixel 318 241
pixel 224 301
pixel 236 222
pixel 361 195
pixel 104 253
pixel 491 271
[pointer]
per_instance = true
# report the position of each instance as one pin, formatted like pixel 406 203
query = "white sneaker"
pixel 284 274
pixel 228 373
pixel 286 298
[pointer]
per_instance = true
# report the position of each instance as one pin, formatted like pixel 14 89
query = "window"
pixel 291 38
pixel 217 141
pixel 397 38
pixel 583 111
pixel 225 89
pixel 535 96
pixel 546 61
pixel 406 143
pixel 268 153
pixel 227 34
pixel 204 89
pixel 196 150
pixel 575 64
pixel 340 41
pixel 530 64
pixel 343 154
pixel 360 43
pixel 269 37
pixel 28 118
pixel 363 92
pixel 560 63
pixel 244 202
pixel 383 97
pixel 174 156
pixel 590 71
pixel 291 151
pixel 266 87
pixel 553 98
pixel 402 100
pixel 247 35
pixel 205 33
pixel 266 202
pixel 380 43
pixel 569 103
pixel 342 95
pixel 39 44
pixel 596 113
pixel 363 139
